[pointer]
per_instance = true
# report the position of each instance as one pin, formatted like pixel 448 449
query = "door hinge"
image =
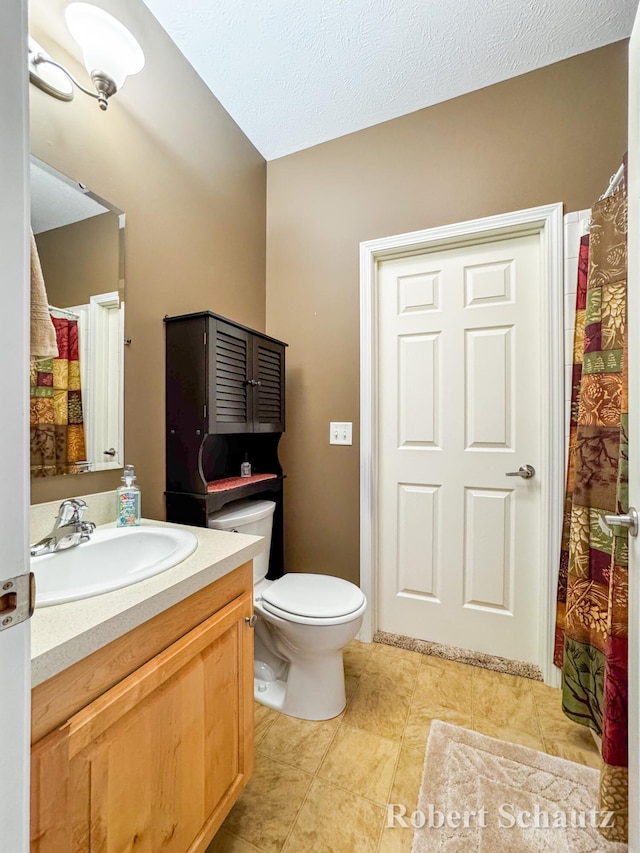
pixel 17 600
pixel 204 411
pixel 204 337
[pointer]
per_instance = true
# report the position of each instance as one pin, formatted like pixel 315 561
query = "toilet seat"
pixel 313 599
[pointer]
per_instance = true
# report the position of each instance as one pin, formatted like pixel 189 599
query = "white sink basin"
pixel 111 559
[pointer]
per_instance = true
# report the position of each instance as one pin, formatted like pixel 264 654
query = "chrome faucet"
pixel 68 531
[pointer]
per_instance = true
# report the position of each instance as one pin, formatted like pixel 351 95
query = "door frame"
pixel 15 641
pixel 545 221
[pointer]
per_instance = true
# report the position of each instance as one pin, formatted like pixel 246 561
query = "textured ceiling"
pixel 293 74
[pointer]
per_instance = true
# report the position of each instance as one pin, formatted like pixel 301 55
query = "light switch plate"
pixel 340 432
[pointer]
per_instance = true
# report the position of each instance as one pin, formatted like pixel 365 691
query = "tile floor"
pixel 324 786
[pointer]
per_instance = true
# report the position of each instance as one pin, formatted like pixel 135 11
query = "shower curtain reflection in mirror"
pixel 57 426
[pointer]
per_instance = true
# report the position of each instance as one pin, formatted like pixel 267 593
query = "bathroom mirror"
pixel 80 244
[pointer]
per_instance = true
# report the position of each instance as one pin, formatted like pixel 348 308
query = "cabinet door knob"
pixel 251 620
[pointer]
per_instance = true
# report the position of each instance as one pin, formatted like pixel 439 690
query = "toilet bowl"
pixel 304 622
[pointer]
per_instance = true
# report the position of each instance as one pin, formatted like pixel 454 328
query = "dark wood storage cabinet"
pixel 225 401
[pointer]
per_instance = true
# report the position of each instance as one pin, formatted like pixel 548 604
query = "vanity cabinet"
pixel 225 402
pixel 156 761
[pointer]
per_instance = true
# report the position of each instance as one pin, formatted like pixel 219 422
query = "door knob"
pixel 524 471
pixel 110 452
pixel 628 520
pixel 251 620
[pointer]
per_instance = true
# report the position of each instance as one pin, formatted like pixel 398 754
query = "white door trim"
pixel 104 398
pixel 547 222
pixel 15 642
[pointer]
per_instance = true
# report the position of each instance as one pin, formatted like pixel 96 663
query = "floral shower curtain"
pixel 57 429
pixel 592 612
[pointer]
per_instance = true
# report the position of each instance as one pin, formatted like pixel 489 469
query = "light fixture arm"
pixel 104 84
pixel 105 43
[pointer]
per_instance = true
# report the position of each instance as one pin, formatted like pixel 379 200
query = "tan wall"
pixel 556 134
pixel 80 260
pixel 193 189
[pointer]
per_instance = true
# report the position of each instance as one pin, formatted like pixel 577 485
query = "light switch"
pixel 340 433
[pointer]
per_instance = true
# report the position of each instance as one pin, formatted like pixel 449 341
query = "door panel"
pixel 488 284
pixel 418 402
pixel 459 378
pixel 489 353
pixel 418 562
pixel 488 561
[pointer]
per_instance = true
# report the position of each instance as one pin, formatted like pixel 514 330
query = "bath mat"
pixel 482 795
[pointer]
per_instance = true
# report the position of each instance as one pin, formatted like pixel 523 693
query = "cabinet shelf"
pixel 231 483
pixel 213 501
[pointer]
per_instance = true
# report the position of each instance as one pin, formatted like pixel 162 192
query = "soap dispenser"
pixel 245 468
pixel 128 500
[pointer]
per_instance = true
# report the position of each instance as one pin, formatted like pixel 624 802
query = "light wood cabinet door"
pixel 155 763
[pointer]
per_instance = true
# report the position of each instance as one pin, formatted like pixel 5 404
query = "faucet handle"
pixel 71 511
pixel 86 529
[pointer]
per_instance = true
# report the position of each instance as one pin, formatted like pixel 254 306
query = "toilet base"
pixel 269 693
pixel 314 691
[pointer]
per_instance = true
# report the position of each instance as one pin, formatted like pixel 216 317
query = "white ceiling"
pixel 294 74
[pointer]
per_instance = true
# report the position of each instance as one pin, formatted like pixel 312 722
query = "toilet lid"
pixel 314 596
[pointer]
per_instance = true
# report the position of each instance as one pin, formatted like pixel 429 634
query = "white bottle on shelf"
pixel 245 468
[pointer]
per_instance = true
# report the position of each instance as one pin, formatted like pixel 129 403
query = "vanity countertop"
pixel 63 634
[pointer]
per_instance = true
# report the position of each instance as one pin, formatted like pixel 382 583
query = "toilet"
pixel 304 623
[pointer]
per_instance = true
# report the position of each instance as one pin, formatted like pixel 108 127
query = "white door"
pixel 459 555
pixel 101 331
pixel 15 667
pixel 633 315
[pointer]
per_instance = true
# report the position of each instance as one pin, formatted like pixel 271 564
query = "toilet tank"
pixel 252 517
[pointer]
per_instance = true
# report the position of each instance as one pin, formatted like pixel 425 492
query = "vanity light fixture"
pixel 109 51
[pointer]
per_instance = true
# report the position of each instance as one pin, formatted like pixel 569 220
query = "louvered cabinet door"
pixel 230 395
pixel 268 374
